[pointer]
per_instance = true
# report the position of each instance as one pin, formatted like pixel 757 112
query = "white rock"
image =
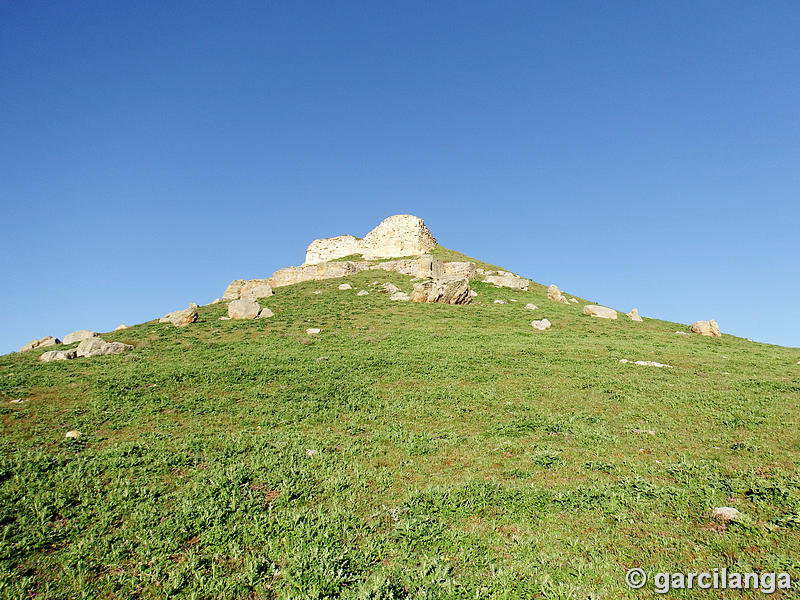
pixel 310 452
pixel 624 360
pixel 473 293
pixel 345 286
pixel 601 312
pixel 553 293
pixel 400 297
pixel 226 318
pixel 77 336
pixel 530 306
pixel 709 328
pixel 265 313
pixel 74 434
pixel 317 292
pixel 194 305
pixel 98 347
pixel 390 288
pixel 541 324
pixel 244 308
pixel 634 315
pixel 57 355
pixel 500 302
pixel 48 340
pixel 681 333
pixel 448 289
pixel 652 363
pixel 313 330
pixel 120 327
pixel 725 514
pixel 363 293
pixel 216 301
pixel 180 318
pixel 573 300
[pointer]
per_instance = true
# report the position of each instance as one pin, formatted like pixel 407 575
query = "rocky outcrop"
pixel 248 288
pixel 601 312
pixel 450 289
pixel 400 297
pixel 244 308
pixel 709 328
pixel 318 272
pixel 77 336
pixel 395 236
pixel 429 267
pixel 57 355
pixel 509 280
pixel 461 268
pixel 265 313
pixel 180 318
pixel 405 266
pixel 47 340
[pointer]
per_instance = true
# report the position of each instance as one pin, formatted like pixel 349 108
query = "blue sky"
pixel 635 153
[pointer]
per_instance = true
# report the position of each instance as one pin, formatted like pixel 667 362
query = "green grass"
pixel 459 454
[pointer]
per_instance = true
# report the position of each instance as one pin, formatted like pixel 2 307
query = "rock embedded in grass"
pixel 98 346
pixel 600 312
pixel 74 434
pixel 313 330
pixel 531 306
pixel 265 313
pixel 120 327
pixel 244 308
pixel 725 514
pixel 57 355
pixel 363 293
pixel 180 318
pixel 400 297
pixel 500 302
pixel 541 324
pixel 450 289
pixel 345 286
pixel 553 293
pixel 707 328
pixel 47 340
pixel 634 315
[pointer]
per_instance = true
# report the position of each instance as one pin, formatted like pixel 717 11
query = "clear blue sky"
pixel 635 153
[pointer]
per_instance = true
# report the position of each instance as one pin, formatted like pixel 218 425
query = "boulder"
pixel 473 294
pixel 573 300
pixel 98 346
pixel 225 318
pixel 541 324
pixel 120 327
pixel 400 297
pixel 709 328
pixel 500 302
pixel 244 308
pixel 406 266
pixel 180 318
pixel 634 315
pixel 429 267
pixel 248 288
pixel 530 306
pixel 553 293
pixel 450 289
pixel 601 312
pixel 313 330
pixel 345 286
pixel 509 280
pixel 47 340
pixel 73 435
pixel 265 313
pixel 461 268
pixel 77 336
pixel 363 293
pixel 57 355
pixel 390 288
pixel 395 236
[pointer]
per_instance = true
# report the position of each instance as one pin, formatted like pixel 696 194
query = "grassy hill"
pixel 407 451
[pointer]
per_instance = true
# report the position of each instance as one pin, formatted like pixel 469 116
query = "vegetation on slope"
pixel 407 451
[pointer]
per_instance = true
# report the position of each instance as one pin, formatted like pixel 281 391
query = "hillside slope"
pixel 408 450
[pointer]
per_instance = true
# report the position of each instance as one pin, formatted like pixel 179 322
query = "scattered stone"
pixel 646 363
pixel 77 336
pixel 265 313
pixel 98 346
pixel 18 400
pixel 449 289
pixel 194 305
pixel 634 315
pixel 310 452
pixel 644 431
pixel 709 328
pixel 244 308
pixel 363 293
pixel 226 318
pixel 530 306
pixel 317 292
pixel 120 327
pixel 313 330
pixel 57 355
pixel 390 288
pixel 541 324
pixel 400 297
pixel 473 293
pixel 73 435
pixel 345 286
pixel 681 333
pixel 180 318
pixel 47 340
pixel 512 300
pixel 601 312
pixel 725 514
pixel 573 300
pixel 500 302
